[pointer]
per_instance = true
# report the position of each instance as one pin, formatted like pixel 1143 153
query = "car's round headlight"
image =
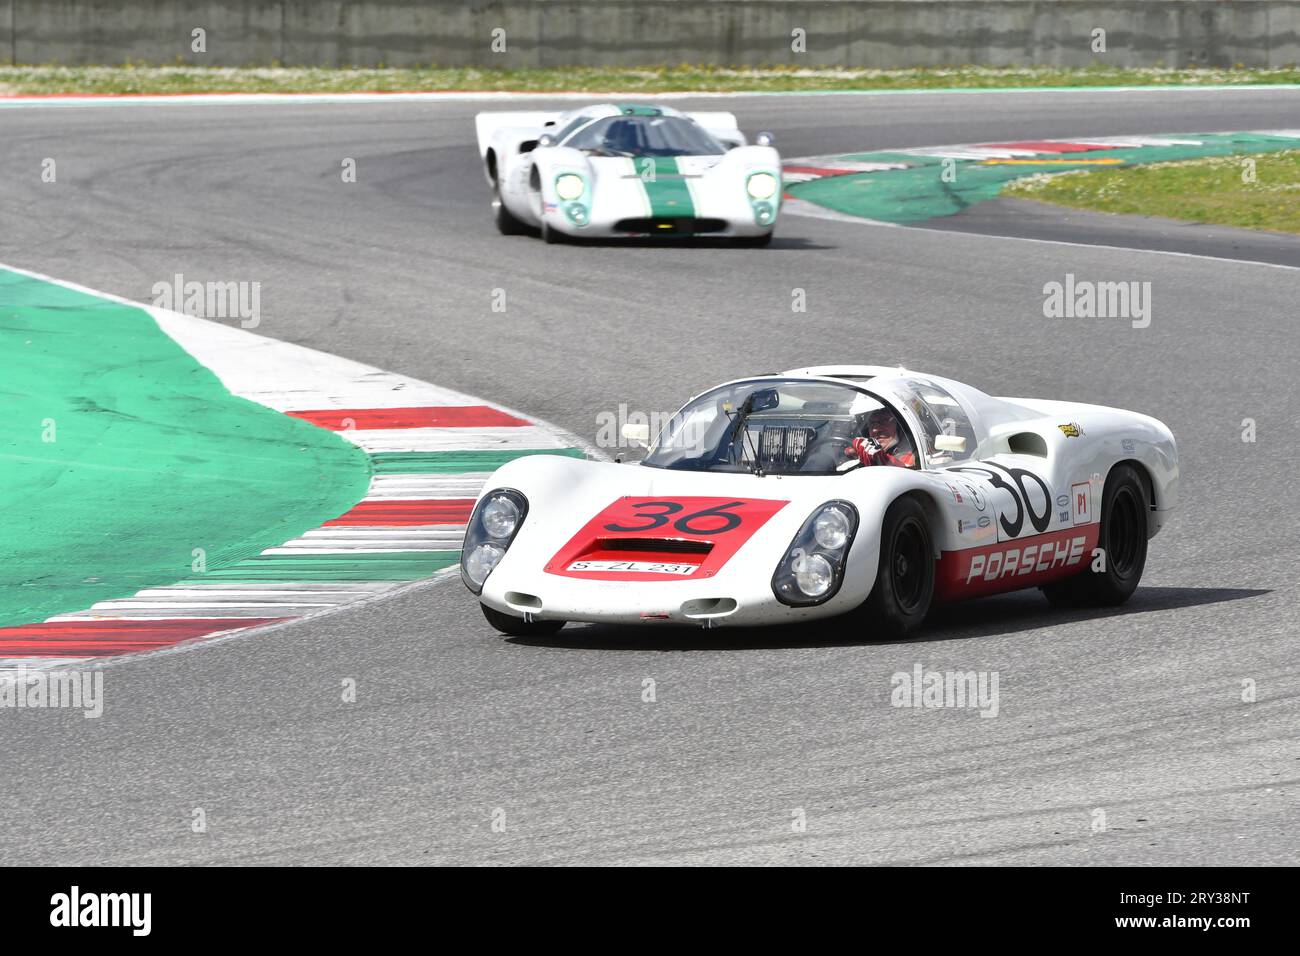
pixel 481 561
pixel 500 517
pixel 761 185
pixel 569 186
pixel 812 573
pixel 831 529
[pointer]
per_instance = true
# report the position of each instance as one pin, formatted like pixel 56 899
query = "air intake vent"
pixel 656 545
pixel 1027 443
pixel 662 226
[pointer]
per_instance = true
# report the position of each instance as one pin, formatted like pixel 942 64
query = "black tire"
pixel 904 588
pixel 550 235
pixel 517 626
pixel 507 224
pixel 1125 507
pixel 754 242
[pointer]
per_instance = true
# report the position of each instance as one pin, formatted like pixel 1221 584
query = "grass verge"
pixel 1253 192
pixel 196 79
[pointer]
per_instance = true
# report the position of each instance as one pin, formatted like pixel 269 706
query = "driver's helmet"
pixel 882 427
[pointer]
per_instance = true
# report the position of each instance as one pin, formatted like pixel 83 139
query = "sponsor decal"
pixel 1128 445
pixel 1062 501
pixel 1006 566
pixel 1065 517
pixel 1081 494
pixel 1017 490
pixel 1071 429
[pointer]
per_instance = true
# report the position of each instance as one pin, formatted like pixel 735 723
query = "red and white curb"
pixel 808 168
pixel 405 514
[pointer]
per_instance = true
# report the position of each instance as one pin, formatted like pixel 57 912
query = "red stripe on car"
pixel 1008 565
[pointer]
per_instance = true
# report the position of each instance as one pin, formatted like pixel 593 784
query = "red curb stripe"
pixel 817 170
pixel 414 511
pixel 1045 147
pixel 111 637
pixel 430 416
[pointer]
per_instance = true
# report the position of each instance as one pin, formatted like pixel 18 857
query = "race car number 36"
pixel 707 518
pixel 718 527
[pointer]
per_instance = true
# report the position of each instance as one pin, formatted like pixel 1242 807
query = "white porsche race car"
pixel 629 171
pixel 860 491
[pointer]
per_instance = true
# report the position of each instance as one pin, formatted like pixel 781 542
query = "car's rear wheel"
pixel 1122 538
pixel 517 626
pixel 904 588
pixel 507 224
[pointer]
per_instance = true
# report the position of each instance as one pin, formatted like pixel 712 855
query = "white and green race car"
pixel 623 171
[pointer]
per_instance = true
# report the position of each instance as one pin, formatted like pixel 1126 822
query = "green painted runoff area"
pixel 120 455
pixel 922 192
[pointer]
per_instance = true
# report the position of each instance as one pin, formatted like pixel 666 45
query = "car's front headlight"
pixel 569 186
pixel 813 566
pixel 491 529
pixel 761 185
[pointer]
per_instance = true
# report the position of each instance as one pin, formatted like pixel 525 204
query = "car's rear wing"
pixel 487 124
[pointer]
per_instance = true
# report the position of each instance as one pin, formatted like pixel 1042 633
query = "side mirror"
pixel 765 139
pixel 953 443
pixel 546 139
pixel 638 436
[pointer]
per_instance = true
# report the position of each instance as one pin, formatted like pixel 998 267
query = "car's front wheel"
pixel 551 235
pixel 904 588
pixel 754 242
pixel 507 224
pixel 1122 540
pixel 517 626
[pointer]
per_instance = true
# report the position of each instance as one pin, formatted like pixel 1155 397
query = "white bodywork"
pixel 968 511
pixel 620 188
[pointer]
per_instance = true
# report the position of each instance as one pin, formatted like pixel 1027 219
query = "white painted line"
pixel 856 220
pixel 377 440
pixel 390 487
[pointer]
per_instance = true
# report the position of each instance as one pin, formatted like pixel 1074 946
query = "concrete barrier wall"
pixel 854 33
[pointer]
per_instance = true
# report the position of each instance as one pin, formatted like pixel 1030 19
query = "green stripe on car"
pixel 669 196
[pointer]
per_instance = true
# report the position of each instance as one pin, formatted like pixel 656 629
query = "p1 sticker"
pixel 1081 496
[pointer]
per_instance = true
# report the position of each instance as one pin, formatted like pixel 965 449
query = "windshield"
pixel 782 427
pixel 946 428
pixel 644 136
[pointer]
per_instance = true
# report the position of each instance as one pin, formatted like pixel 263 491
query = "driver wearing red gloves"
pixel 884 443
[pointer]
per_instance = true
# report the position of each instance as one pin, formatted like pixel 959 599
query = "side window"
pixel 948 433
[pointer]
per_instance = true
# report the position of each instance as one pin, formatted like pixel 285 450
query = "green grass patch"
pixel 195 79
pixel 1252 192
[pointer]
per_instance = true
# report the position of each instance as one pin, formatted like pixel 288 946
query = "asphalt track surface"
pixel 1136 712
